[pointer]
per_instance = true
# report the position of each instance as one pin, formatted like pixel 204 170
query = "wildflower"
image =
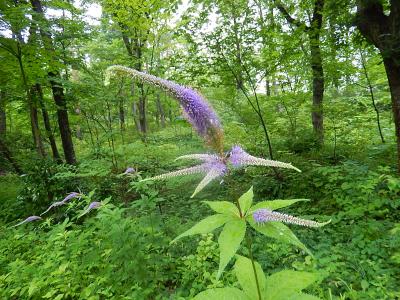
pixel 240 158
pixel 264 215
pixel 71 196
pixel 215 165
pixel 91 206
pixel 203 118
pixel 64 201
pixel 195 107
pixel 27 220
pixel 129 170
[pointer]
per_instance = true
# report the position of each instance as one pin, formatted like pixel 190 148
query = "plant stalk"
pixel 249 243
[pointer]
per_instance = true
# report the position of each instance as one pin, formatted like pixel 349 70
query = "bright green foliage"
pixel 282 285
pixel 234 229
pixel 229 241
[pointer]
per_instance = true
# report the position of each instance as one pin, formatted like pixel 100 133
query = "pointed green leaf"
pixel 275 204
pixel 223 207
pixel 245 274
pixel 246 200
pixel 229 241
pixel 227 293
pixel 280 232
pixel 206 225
pixel 287 283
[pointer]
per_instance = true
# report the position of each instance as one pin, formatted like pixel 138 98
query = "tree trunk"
pixel 317 71
pixel 393 74
pixel 121 114
pixel 47 125
pixel 317 116
pixel 160 110
pixel 63 121
pixel 314 32
pixel 142 109
pixel 56 87
pixel 3 117
pixel 383 31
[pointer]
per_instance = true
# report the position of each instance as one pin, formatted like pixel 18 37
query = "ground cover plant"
pixel 199 150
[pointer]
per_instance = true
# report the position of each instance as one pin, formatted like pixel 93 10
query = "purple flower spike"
pixel 55 204
pixel 129 170
pixel 28 219
pixel 195 107
pixel 91 206
pixel 64 201
pixel 213 166
pixel 240 158
pixel 264 215
pixel 71 196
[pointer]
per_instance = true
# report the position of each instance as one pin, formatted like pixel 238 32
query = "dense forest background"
pixel 315 83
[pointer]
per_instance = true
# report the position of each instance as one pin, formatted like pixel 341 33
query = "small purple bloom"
pixel 71 196
pixel 91 206
pixel 28 219
pixel 264 215
pixel 94 205
pixel 129 170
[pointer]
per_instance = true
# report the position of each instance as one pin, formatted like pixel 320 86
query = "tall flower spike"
pixel 55 204
pixel 92 205
pixel 64 201
pixel 71 196
pixel 240 158
pixel 27 220
pixel 195 107
pixel 263 215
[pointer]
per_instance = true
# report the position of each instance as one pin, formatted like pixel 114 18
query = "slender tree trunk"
pixel 371 92
pixel 134 108
pixel 3 116
pixel 160 110
pixel 47 125
pixel 56 87
pixel 121 114
pixel 314 32
pixel 142 109
pixel 37 140
pixel 317 71
pixel 317 116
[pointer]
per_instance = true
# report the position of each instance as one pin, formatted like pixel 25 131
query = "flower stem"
pixel 249 243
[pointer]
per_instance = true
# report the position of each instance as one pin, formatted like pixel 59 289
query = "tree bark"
pixel 383 31
pixel 47 125
pixel 160 110
pixel 318 79
pixel 56 88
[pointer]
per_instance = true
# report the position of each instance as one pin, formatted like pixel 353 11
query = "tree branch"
pixel 288 17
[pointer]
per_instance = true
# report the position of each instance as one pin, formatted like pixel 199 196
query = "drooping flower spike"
pixel 92 205
pixel 264 215
pixel 62 202
pixel 129 170
pixel 27 220
pixel 195 107
pixel 204 119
